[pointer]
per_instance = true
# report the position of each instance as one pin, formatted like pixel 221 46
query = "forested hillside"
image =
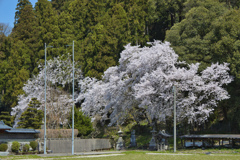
pixel 204 31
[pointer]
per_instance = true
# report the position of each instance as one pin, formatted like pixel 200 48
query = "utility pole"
pixel 45 102
pixel 174 115
pixel 45 135
pixel 73 104
pixel 73 101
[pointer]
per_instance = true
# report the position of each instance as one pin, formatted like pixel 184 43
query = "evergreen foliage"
pixel 15 146
pixel 32 117
pixel 47 27
pixel 26 148
pixel 6 118
pixel 34 145
pixel 3 147
pixel 191 37
pixel 81 122
pixel 60 5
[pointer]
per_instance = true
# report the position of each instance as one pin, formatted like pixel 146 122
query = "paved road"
pixel 80 154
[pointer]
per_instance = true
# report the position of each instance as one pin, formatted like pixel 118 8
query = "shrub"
pixel 15 146
pixel 34 145
pixel 3 147
pixel 26 148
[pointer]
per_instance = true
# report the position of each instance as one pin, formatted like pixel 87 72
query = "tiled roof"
pixel 4 126
pixel 16 130
pixel 20 130
pixel 164 134
pixel 203 136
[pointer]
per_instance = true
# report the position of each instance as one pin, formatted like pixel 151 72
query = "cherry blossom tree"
pixel 59 102
pixel 143 83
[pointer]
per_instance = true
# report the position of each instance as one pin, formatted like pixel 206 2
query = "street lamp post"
pixel 73 104
pixel 45 146
pixel 174 114
pixel 73 101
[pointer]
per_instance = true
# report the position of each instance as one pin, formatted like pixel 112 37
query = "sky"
pixel 7 11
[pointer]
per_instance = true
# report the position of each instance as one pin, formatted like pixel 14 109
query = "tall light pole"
pixel 45 135
pixel 73 104
pixel 174 115
pixel 73 101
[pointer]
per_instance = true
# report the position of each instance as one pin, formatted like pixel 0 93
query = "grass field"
pixel 144 155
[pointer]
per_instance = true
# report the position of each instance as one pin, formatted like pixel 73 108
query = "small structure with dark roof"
pixel 9 134
pixel 162 138
pixel 211 140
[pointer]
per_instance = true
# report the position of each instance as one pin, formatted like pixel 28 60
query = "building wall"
pixel 4 136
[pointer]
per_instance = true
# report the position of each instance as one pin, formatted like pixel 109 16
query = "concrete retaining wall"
pixel 64 145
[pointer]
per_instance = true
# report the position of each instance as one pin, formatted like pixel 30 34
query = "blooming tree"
pixel 143 83
pixel 59 102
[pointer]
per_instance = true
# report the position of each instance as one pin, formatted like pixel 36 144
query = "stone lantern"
pixel 152 143
pixel 120 142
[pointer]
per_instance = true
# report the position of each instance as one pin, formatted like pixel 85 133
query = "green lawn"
pixel 143 155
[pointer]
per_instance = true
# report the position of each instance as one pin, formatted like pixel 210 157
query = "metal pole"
pixel 174 112
pixel 73 104
pixel 45 102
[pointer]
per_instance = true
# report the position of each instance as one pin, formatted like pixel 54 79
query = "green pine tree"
pixel 81 122
pixel 102 46
pixel 5 47
pixel 32 117
pixel 6 118
pixel 66 27
pixel 47 27
pixel 18 62
pixel 24 20
pixel 136 10
pixel 60 5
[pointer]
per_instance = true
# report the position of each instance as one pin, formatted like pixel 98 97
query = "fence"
pixel 64 145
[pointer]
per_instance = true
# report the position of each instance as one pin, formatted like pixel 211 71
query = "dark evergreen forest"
pixel 204 31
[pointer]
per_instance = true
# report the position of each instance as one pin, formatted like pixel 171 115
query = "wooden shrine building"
pixel 211 140
pixel 9 134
